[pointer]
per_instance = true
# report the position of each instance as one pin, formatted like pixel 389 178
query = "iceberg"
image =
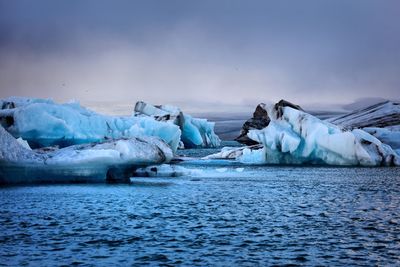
pixel 42 123
pixel 110 161
pixel 165 170
pixel 389 135
pixel 259 121
pixel 296 137
pixel 381 120
pixel 195 132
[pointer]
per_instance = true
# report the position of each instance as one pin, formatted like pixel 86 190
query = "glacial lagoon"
pixel 225 214
pixel 192 211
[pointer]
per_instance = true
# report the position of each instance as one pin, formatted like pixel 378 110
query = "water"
pixel 256 216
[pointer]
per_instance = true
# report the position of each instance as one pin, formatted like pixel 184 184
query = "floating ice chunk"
pixel 165 170
pixel 253 156
pixel 228 153
pixel 195 132
pixel 239 169
pixel 44 123
pixel 113 160
pixel 221 169
pixel 199 132
pixel 295 137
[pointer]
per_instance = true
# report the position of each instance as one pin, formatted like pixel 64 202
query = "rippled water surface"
pixel 240 217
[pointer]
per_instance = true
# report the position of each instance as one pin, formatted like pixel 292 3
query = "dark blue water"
pixel 258 216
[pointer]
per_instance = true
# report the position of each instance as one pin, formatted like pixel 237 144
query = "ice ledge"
pixel 113 160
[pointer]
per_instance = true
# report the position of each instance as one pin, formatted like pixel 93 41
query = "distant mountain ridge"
pixel 381 115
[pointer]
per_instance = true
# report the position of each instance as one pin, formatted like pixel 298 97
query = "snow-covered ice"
pixel 381 120
pixel 94 162
pixel 295 137
pixel 389 135
pixel 42 122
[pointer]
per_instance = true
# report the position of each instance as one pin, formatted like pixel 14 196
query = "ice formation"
pixel 165 170
pixel 113 160
pixel 44 123
pixel 238 153
pixel 380 120
pixel 389 135
pixel 295 137
pixel 259 121
pixel 195 132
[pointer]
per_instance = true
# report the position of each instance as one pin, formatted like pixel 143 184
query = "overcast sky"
pixel 209 54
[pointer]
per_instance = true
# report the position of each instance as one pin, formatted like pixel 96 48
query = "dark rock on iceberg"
pixel 283 103
pixel 261 120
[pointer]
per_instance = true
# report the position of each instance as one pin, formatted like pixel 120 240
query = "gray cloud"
pixel 224 53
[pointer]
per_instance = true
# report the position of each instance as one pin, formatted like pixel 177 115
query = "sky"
pixel 214 55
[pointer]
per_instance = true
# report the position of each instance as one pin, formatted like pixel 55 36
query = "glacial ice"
pixel 195 132
pixel 112 160
pixel 165 170
pixel 295 137
pixel 42 123
pixel 389 135
pixel 381 120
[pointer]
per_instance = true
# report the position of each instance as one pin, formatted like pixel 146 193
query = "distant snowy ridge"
pixel 380 115
pixel 296 137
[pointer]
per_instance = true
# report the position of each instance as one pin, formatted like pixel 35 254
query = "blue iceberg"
pixel 195 132
pixel 45 123
pixel 42 123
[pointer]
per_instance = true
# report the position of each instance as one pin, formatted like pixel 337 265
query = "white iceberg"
pixel 389 135
pixel 42 122
pixel 114 160
pixel 195 132
pixel 381 120
pixel 165 170
pixel 295 137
